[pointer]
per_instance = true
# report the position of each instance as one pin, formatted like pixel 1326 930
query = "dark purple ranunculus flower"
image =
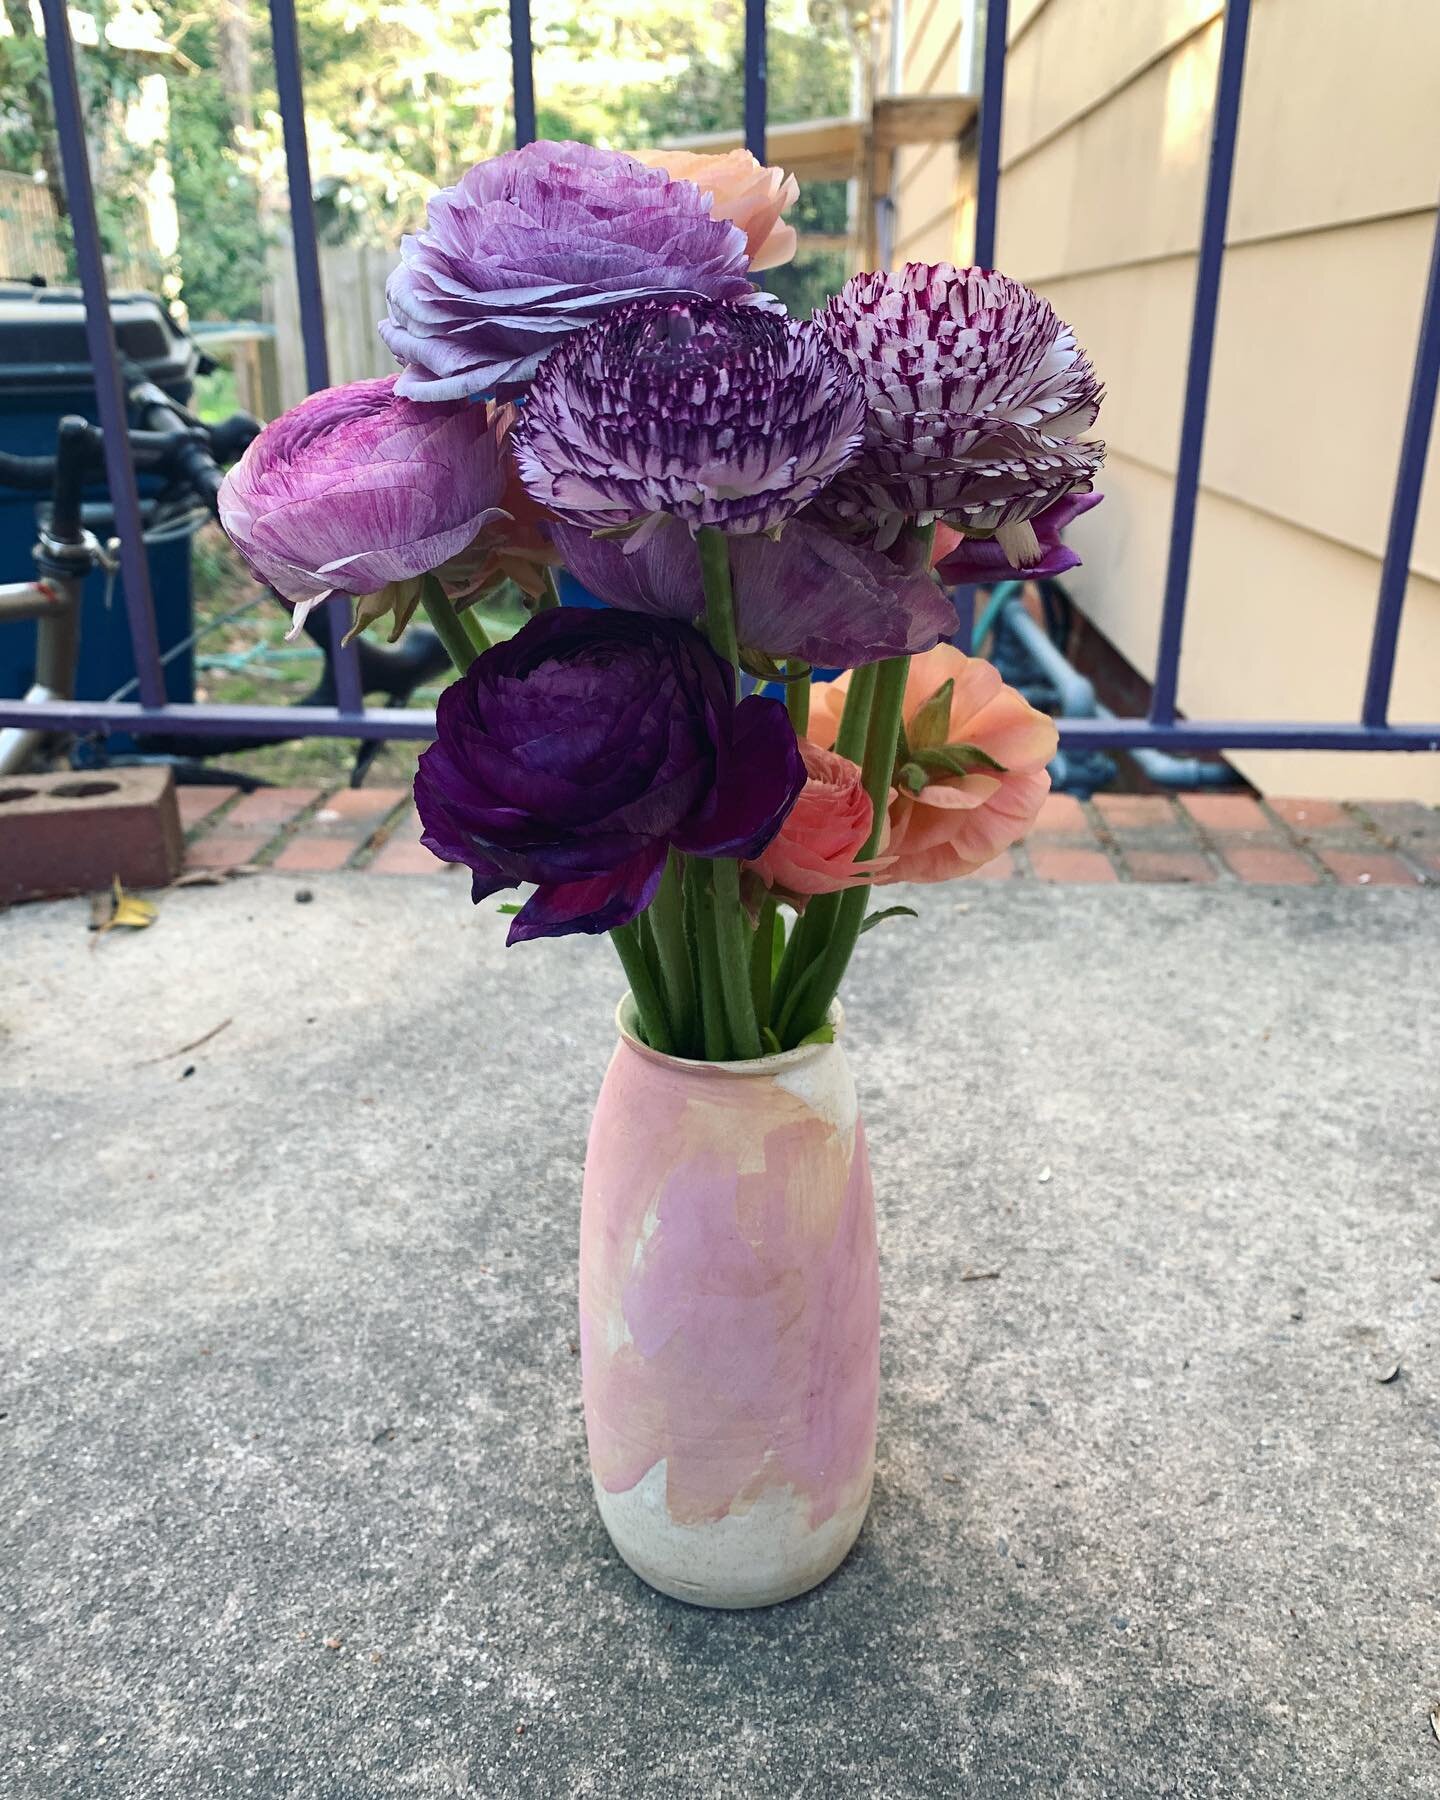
pixel 356 489
pixel 716 415
pixel 805 594
pixel 983 559
pixel 532 245
pixel 577 753
pixel 977 392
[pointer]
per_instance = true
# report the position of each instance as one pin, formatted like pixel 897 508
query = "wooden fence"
pixel 353 277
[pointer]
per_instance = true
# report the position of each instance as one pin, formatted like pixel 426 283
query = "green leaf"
pixel 914 777
pixel 822 1034
pixel 508 907
pixel 958 759
pixel 777 945
pixel 770 1041
pixel 931 725
pixel 890 912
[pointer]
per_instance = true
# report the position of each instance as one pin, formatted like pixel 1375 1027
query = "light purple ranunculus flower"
pixel 805 594
pixel 983 559
pixel 356 488
pixel 977 392
pixel 715 415
pixel 532 245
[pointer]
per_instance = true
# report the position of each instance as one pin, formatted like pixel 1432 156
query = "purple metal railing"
pixel 351 719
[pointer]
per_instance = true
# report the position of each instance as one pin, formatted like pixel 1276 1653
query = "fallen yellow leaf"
pixel 129 910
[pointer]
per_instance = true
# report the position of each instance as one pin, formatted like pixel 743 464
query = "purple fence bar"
pixel 522 72
pixel 290 91
pixel 1202 349
pixel 757 79
pixel 1414 443
pixel 992 101
pixel 104 356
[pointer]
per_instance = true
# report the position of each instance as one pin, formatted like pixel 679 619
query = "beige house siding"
pixel 1108 112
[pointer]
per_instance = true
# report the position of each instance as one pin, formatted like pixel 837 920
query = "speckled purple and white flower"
pixel 976 391
pixel 715 415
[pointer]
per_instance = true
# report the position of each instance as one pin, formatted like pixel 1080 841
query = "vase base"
pixel 756 1558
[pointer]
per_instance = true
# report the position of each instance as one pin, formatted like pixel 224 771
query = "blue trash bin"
pixel 44 374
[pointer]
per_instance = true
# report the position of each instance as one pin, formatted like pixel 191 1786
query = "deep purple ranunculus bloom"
pixel 530 246
pixel 574 755
pixel 977 393
pixel 984 559
pixel 717 415
pixel 356 488
pixel 805 594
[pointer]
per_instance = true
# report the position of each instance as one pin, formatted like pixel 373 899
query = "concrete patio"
pixel 293 1497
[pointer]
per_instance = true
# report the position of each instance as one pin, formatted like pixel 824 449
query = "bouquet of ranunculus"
pixel 590 381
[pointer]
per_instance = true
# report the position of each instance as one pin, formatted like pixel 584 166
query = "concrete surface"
pixel 289 1362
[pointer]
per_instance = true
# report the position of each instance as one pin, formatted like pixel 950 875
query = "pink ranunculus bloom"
pixel 742 190
pixel 815 850
pixel 956 823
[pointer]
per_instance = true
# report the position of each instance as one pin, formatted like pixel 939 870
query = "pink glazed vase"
pixel 729 1319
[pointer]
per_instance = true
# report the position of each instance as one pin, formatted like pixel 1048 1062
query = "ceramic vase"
pixel 729 1319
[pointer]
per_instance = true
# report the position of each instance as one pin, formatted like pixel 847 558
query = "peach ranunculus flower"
pixel 814 851
pixel 952 823
pixel 742 190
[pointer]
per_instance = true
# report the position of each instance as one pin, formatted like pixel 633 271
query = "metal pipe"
pixel 1414 445
pixel 756 79
pixel 522 72
pixel 992 99
pixel 1202 351
pixel 104 354
pixel 290 90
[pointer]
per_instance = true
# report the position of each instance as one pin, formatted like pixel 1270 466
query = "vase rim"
pixel 751 1066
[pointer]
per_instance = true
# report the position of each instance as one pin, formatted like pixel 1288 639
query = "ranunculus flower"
pixel 534 244
pixel 962 559
pixel 815 850
pixel 574 755
pixel 742 190
pixel 717 415
pixel 356 488
pixel 805 594
pixel 957 711
pixel 976 391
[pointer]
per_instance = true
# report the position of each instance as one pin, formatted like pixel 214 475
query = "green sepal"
pixel 889 912
pixel 822 1034
pixel 958 759
pixel 914 777
pixel 507 907
pixel 931 725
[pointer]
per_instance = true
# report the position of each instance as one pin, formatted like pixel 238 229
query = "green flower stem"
pixel 877 772
pixel 797 695
pixel 762 961
pixel 731 942
pixel 551 596
pixel 667 924
pixel 443 616
pixel 714 551
pixel 813 929
pixel 712 1005
pixel 654 1027
pixel 475 631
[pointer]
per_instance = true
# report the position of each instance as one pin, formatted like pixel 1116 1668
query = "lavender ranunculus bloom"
pixel 576 753
pixel 356 488
pixel 805 594
pixel 715 415
pixel 977 392
pixel 530 246
pixel 983 559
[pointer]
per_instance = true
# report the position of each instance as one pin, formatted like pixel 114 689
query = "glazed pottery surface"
pixel 729 1319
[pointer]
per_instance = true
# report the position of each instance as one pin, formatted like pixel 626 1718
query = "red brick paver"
pixel 1262 866
pixel 307 855
pixel 197 803
pixel 269 806
pixel 999 868
pixel 404 854
pixel 352 808
pixel 1055 862
pixel 1062 816
pixel 1364 868
pixel 1305 816
pixel 1168 865
pixel 222 851
pixel 1227 815
pixel 1138 812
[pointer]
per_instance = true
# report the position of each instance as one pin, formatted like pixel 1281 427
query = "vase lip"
pixel 751 1066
